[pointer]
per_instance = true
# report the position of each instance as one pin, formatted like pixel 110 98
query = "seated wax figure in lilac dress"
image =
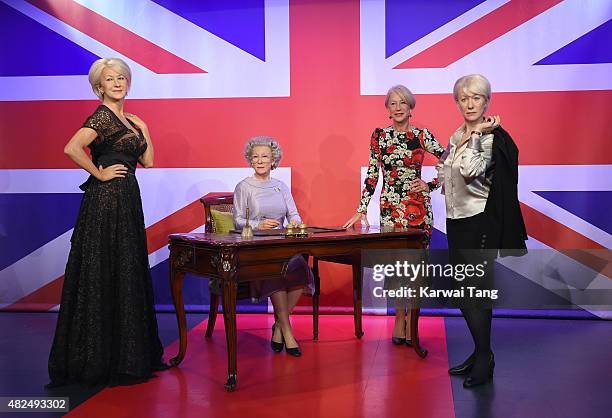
pixel 270 204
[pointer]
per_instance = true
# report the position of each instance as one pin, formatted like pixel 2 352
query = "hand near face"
pixel 418 186
pixel 268 224
pixel 488 124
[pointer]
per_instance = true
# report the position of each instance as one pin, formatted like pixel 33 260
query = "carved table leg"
pixel 229 318
pixel 176 285
pixel 414 331
pixel 226 263
pixel 357 294
pixel 315 299
pixel 212 314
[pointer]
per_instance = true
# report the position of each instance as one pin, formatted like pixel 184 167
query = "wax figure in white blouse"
pixel 479 175
pixel 270 205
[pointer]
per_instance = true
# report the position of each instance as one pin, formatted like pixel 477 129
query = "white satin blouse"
pixel 466 173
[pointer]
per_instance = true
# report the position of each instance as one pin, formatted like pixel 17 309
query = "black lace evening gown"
pixel 107 330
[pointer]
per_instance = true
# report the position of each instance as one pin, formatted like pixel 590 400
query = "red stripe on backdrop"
pixel 470 38
pixel 183 220
pixel 42 299
pixel 116 37
pixel 195 133
pixel 567 241
pixel 553 233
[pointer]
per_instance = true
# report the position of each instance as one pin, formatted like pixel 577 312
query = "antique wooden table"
pixel 231 259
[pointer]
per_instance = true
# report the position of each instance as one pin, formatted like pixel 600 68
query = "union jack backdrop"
pixel 207 75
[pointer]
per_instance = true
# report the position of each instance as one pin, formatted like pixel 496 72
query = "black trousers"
pixel 473 240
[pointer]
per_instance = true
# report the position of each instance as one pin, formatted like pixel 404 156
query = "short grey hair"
pixel 268 141
pixel 116 64
pixel 473 83
pixel 403 92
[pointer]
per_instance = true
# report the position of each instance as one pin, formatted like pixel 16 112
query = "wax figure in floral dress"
pixel 399 150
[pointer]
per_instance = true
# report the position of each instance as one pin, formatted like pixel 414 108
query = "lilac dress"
pixel 270 199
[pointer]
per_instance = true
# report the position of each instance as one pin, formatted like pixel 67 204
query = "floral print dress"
pixel 400 155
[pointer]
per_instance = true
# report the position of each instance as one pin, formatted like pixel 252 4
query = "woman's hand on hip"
pixel 418 186
pixel 112 172
pixel 356 217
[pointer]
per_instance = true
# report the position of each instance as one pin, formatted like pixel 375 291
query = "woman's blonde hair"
pixel 404 93
pixel 473 83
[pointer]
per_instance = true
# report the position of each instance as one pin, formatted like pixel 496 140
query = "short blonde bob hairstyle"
pixel 268 141
pixel 115 64
pixel 473 83
pixel 404 93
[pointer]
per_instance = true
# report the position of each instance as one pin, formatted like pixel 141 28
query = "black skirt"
pixel 473 241
pixel 107 330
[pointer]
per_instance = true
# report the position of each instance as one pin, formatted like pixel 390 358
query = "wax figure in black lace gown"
pixel 107 330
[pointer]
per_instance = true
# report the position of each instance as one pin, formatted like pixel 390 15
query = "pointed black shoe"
pixel 408 342
pixel 295 351
pixel 471 382
pixel 398 340
pixel 276 347
pixel 464 368
pixel 486 377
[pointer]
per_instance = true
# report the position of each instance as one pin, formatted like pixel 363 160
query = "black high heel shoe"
pixel 398 340
pixel 473 381
pixel 464 368
pixel 295 351
pixel 276 347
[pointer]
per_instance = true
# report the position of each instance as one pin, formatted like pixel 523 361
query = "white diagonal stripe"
pixel 35 270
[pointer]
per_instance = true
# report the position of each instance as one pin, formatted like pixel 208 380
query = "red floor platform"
pixel 337 376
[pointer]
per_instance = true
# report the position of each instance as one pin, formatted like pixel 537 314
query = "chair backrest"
pixel 221 201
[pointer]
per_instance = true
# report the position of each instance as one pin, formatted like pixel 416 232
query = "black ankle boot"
pixel 464 368
pixel 484 376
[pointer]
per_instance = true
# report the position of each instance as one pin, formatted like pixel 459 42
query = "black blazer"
pixel 502 203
